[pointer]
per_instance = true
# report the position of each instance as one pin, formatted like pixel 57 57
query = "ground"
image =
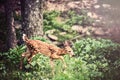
pixel 105 13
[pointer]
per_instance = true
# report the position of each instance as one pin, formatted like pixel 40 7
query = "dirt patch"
pixel 106 25
pixel 65 5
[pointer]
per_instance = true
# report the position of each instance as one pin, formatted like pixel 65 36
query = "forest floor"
pixel 104 12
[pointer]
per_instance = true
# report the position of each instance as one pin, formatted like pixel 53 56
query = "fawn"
pixel 53 52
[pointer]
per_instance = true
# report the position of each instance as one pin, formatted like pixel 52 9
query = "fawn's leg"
pixel 32 54
pixel 22 58
pixel 55 56
pixel 21 62
pixel 52 65
pixel 30 58
pixel 24 55
pixel 61 57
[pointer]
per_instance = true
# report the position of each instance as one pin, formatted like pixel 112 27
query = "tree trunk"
pixel 11 36
pixel 32 17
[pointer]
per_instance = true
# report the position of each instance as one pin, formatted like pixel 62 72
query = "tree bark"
pixel 11 36
pixel 32 17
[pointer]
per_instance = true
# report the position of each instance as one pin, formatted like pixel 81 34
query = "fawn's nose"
pixel 72 55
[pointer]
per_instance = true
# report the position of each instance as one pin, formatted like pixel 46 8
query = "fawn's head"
pixel 68 49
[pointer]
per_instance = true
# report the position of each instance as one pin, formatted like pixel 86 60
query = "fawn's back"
pixel 42 47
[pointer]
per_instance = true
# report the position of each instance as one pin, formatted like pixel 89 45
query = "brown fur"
pixel 53 52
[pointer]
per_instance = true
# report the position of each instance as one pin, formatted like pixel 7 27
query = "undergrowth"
pixel 95 59
pixel 60 23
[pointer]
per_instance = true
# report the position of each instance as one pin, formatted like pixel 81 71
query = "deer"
pixel 39 47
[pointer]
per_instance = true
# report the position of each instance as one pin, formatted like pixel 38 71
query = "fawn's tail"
pixel 24 37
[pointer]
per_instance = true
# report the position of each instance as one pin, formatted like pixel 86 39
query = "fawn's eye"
pixel 69 51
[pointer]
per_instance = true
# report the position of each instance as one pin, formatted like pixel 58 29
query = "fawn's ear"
pixel 66 43
pixel 24 37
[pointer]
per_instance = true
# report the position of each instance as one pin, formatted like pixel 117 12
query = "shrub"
pixel 100 57
pixel 77 18
pixel 50 20
pixel 40 68
pixel 76 70
pixel 9 63
pixel 51 23
pixel 96 59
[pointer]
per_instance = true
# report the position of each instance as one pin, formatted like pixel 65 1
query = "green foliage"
pixel 76 70
pixel 40 68
pixel 74 18
pixel 96 59
pixel 39 38
pixel 10 63
pixel 67 20
pixel 50 20
pixel 63 21
pixel 100 56
pixel 51 23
